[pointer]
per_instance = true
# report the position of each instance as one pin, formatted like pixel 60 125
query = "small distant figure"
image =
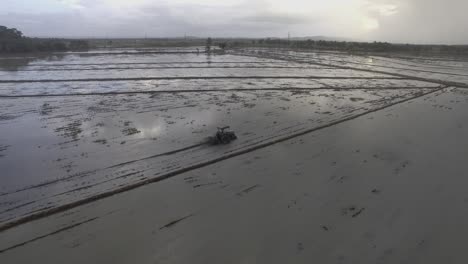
pixel 198 51
pixel 209 42
pixel 223 137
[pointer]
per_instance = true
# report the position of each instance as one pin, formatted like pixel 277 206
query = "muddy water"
pixel 62 149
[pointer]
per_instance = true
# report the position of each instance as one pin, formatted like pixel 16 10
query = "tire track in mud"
pixel 404 76
pixel 201 78
pixel 175 222
pixel 154 63
pixel 127 53
pixel 327 87
pixel 177 171
pixel 48 235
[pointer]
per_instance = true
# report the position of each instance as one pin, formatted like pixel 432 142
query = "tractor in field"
pixel 223 136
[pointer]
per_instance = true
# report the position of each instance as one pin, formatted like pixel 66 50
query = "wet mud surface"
pixel 372 184
pixel 67 141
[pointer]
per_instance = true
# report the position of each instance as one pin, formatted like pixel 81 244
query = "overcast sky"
pixel 404 21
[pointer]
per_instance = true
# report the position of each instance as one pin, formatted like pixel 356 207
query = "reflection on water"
pixel 151 129
pixel 14 64
pixel 20 63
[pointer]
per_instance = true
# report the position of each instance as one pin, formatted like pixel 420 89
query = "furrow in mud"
pixel 48 235
pixel 149 63
pixel 167 67
pixel 129 53
pixel 213 90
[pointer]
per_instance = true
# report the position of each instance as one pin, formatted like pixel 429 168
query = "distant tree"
pixel 12 40
pixel 59 46
pixel 79 45
pixel 10 33
pixel 222 45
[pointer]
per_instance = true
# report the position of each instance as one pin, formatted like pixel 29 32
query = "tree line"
pixel 352 46
pixel 12 40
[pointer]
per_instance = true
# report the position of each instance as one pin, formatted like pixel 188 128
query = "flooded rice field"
pixel 443 69
pixel 82 126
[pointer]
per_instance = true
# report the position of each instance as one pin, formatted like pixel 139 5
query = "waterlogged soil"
pixel 359 186
pixel 66 141
pixel 76 147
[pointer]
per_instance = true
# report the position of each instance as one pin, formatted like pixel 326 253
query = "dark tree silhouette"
pixel 222 45
pixel 10 33
pixel 80 45
pixel 12 40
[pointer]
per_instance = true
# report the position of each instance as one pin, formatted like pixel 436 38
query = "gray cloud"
pixel 411 21
pixel 274 18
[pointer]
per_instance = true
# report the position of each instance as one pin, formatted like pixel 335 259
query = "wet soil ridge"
pixel 165 67
pixel 201 78
pixel 249 189
pixel 128 53
pixel 215 90
pixel 148 63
